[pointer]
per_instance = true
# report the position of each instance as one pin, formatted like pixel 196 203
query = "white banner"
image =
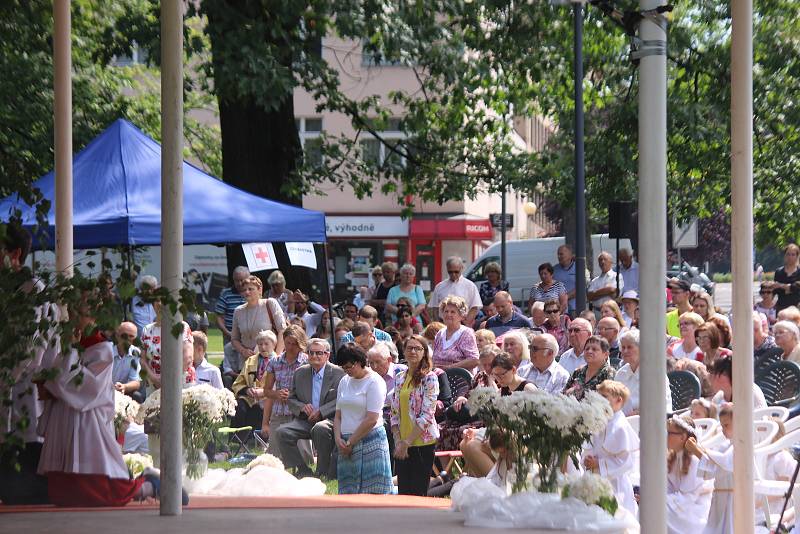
pixel 260 256
pixel 302 254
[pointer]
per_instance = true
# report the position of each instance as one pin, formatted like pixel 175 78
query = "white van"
pixel 525 255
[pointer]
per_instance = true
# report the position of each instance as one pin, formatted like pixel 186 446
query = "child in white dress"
pixel 611 453
pixel 719 462
pixel 687 502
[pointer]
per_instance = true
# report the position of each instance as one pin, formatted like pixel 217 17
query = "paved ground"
pixel 293 521
pixel 723 295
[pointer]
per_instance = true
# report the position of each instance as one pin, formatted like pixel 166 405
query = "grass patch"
pixel 215 346
pixel 727 278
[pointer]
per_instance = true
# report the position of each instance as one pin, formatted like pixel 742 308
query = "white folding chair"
pixel 704 426
pixel 791 424
pixel 778 412
pixel 771 488
pixel 764 432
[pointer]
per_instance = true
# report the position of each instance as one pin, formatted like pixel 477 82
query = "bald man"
pixel 579 331
pixel 608 328
pixel 125 373
pixel 604 286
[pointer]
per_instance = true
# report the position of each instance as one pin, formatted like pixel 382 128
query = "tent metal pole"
pixel 742 259
pixel 62 87
pixel 330 301
pixel 171 252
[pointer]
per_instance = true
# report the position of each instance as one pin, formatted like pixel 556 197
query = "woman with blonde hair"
pixel 255 315
pixel 610 308
pixel 686 346
pixel 455 345
pixel 703 305
pixel 413 419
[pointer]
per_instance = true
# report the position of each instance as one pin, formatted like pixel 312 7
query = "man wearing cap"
pixel 680 299
pixel 629 270
pixel 630 302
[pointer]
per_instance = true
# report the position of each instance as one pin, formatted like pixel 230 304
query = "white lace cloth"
pixel 487 506
pixel 260 481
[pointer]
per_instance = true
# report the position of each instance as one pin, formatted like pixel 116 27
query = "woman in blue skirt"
pixel 363 465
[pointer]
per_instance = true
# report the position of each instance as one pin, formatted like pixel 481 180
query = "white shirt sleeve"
pixel 376 394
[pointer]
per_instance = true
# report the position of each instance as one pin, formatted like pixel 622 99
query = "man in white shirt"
pixel 545 372
pixel 456 285
pixel 579 331
pixel 604 287
pixel 299 305
pixel 206 373
pixel 629 270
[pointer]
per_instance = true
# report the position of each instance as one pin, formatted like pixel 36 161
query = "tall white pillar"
pixel 62 88
pixel 171 251
pixel 742 260
pixel 652 272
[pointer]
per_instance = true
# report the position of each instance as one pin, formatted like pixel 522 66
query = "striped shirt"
pixel 552 293
pixel 227 302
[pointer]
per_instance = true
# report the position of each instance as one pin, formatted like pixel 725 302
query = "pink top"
pixel 461 346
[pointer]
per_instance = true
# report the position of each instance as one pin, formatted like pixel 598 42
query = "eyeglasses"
pixel 576 330
pixel 348 366
pixel 552 311
pixel 317 353
pixel 414 348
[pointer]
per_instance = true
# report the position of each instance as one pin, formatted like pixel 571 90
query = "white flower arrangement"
pixel 125 410
pixel 204 409
pixel 591 489
pixel 267 460
pixel 542 427
pixel 137 463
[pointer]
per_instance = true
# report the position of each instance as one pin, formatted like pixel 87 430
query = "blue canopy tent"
pixel 117 200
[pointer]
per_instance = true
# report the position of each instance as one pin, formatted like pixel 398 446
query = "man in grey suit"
pixel 313 404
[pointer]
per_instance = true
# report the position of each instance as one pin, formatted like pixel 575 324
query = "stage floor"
pixel 362 514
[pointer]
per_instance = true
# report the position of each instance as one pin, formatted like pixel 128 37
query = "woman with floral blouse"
pixel 413 419
pixel 597 368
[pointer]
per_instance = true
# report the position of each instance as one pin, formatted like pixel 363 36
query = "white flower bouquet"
pixel 204 410
pixel 540 427
pixel 591 489
pixel 137 463
pixel 125 410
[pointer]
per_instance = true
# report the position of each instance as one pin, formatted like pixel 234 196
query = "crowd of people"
pixel 370 397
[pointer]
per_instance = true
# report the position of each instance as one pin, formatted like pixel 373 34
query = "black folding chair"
pixel 460 381
pixel 614 362
pixel 685 387
pixel 780 383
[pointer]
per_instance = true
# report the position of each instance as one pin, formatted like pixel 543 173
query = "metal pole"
pixel 618 266
pixel 653 239
pixel 171 251
pixel 503 233
pixel 580 180
pixel 62 87
pixel 330 302
pixel 742 255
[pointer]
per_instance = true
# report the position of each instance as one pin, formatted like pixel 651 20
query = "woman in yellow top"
pixel 413 419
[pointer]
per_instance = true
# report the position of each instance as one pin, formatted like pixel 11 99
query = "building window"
pixel 376 152
pixel 310 131
pixel 372 57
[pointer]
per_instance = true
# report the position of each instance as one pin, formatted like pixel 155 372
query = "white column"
pixel 652 273
pixel 62 87
pixel 742 260
pixel 171 250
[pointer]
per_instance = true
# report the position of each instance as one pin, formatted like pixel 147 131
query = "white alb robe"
pixel 687 500
pixel 78 425
pixel 720 464
pixel 615 449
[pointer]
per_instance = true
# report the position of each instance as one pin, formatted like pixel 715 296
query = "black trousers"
pixel 388 428
pixel 247 415
pixel 414 473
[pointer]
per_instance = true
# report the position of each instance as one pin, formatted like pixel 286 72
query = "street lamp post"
pixel 580 177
